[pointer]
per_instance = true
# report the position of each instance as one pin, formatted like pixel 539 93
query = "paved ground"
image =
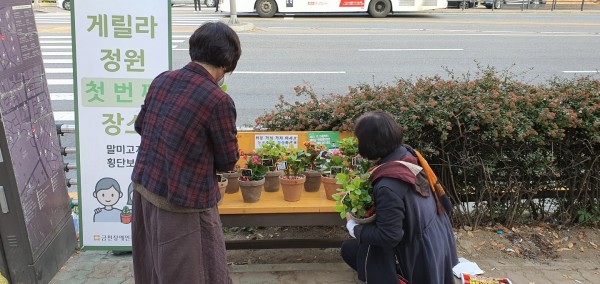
pixel 103 267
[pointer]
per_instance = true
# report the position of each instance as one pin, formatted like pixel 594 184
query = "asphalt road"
pixel 332 52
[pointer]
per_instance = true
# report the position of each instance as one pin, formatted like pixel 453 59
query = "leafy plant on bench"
pixel 292 183
pixel 271 153
pixel 356 196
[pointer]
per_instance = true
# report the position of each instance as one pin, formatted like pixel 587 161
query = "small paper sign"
pixel 246 172
pixel 267 162
pixel 335 171
pixel 281 166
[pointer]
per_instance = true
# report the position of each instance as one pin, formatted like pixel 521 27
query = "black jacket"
pixel 407 231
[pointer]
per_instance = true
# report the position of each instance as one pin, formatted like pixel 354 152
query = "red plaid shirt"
pixel 188 133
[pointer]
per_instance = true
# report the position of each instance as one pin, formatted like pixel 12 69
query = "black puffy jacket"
pixel 408 235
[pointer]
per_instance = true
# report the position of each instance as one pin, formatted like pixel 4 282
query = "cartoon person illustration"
pixel 130 194
pixel 108 193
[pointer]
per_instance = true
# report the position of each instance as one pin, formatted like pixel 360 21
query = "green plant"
pixel 591 216
pixel 492 138
pixel 257 167
pixel 126 210
pixel 334 158
pixel 356 195
pixel 349 146
pixel 295 160
pixel 271 150
pixel 312 155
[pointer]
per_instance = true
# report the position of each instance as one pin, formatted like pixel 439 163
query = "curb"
pixel 239 27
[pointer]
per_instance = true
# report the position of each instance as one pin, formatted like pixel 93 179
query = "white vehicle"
pixel 65 4
pixel 376 8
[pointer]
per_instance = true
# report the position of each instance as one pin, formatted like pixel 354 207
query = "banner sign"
pixel 328 138
pixel 119 47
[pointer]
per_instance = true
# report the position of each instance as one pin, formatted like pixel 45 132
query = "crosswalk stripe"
pixel 60 82
pixel 55 37
pixel 54 41
pixel 54 53
pixel 64 115
pixel 59 70
pixel 55 47
pixel 58 61
pixel 61 96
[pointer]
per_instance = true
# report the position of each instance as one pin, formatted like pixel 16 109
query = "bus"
pixel 375 8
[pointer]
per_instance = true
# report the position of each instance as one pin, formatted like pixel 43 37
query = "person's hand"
pixel 348 218
pixel 350 226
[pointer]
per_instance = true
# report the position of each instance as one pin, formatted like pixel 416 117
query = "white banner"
pixel 119 47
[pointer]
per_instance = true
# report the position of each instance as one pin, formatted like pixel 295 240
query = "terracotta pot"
pixel 313 181
pixel 233 185
pixel 272 181
pixel 363 220
pixel 251 190
pixel 222 188
pixel 126 219
pixel 331 187
pixel 292 187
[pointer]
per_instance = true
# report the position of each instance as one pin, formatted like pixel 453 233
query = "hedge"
pixel 507 151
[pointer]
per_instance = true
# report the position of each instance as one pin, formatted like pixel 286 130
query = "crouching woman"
pixel 411 239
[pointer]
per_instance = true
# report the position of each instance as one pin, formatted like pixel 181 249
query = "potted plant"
pixel 252 179
pixel 222 181
pixel 292 182
pixel 349 148
pixel 232 180
pixel 335 164
pixel 312 159
pixel 125 215
pixel 271 153
pixel 356 198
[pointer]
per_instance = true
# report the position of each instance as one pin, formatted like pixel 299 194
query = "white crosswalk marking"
pixel 64 115
pixel 61 96
pixel 58 61
pixel 176 19
pixel 59 70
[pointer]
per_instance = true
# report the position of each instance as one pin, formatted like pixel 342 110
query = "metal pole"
pixel 68 150
pixel 62 129
pixel 582 2
pixel 233 20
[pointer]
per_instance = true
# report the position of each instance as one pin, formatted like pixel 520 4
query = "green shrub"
pixel 501 144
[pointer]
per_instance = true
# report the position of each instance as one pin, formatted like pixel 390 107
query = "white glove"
pixel 350 226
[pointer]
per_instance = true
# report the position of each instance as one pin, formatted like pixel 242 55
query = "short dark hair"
pixel 216 44
pixel 378 135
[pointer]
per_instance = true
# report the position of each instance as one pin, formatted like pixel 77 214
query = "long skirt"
pixel 173 247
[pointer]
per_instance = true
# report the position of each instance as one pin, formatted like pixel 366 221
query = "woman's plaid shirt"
pixel 187 124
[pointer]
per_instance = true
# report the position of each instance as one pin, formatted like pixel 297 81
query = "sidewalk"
pixel 92 267
pixel 103 267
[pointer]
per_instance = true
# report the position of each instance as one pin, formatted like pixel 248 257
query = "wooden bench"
pixel 313 209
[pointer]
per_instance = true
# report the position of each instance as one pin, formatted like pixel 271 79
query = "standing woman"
pixel 188 131
pixel 411 235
